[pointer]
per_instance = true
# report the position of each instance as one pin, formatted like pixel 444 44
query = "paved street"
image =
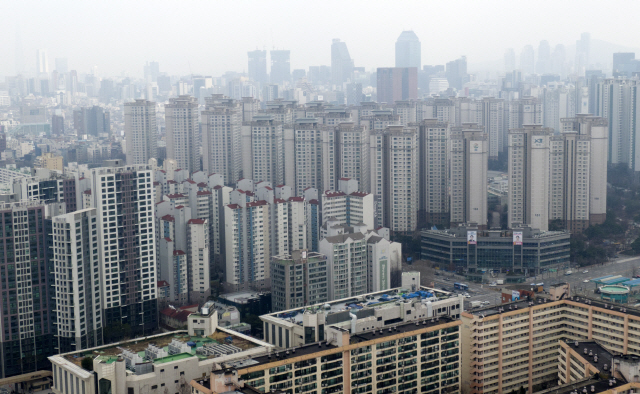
pixel 626 266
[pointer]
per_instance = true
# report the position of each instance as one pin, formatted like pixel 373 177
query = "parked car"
pixel 586 281
pixel 585 271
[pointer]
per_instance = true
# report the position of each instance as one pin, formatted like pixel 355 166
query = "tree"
pixel 87 363
pixel 635 246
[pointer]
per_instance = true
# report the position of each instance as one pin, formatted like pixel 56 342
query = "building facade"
pixel 182 122
pixel 141 131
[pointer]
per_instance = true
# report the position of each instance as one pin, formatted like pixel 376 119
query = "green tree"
pixel 87 363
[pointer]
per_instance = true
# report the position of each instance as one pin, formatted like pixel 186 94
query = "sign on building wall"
pixel 517 237
pixel 472 237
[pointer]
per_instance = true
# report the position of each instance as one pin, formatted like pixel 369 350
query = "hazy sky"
pixel 210 37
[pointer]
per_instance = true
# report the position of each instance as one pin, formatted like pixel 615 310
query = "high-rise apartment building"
pixel 263 150
pixel 348 205
pixel 124 204
pixel 42 62
pixel 524 111
pixel 583 49
pixel 408 50
pixel 397 83
pixel 257 69
pixel 527 60
pixel 78 283
pixel 341 63
pixel 394 177
pixel 347 262
pixel 280 66
pixel 543 63
pixel 468 179
pixel 198 260
pixel 141 131
pixel 490 114
pixel 434 171
pixel 529 176
pixel 27 290
pixel 352 154
pixel 456 73
pixel 182 122
pixel 298 279
pixel 221 138
pixel 509 60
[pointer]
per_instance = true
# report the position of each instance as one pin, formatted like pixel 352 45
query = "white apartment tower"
pixel 198 257
pixel 528 110
pixel 123 198
pixel 394 177
pixel 76 267
pixel 182 124
pixel 263 150
pixel 347 263
pixel 434 171
pixel 353 154
pixel 141 131
pixel 529 176
pixel 221 138
pixel 469 165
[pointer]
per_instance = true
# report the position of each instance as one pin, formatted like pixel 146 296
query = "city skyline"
pixel 369 45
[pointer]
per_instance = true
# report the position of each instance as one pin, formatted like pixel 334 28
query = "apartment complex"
pixel 141 131
pixel 182 123
pixel 263 150
pixel 469 165
pixel 529 176
pixel 434 171
pixel 298 279
pixel 520 344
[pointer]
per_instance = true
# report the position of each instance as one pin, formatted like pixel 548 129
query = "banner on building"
pixel 517 237
pixel 472 237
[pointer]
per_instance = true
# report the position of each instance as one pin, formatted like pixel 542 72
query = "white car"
pixel 467 295
pixel 586 281
pixel 585 271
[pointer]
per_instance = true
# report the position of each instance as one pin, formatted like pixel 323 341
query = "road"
pixel 627 266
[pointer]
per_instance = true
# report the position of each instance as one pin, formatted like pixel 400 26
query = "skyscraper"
pixel 124 203
pixel 280 66
pixel 583 46
pixel 182 126
pixel 529 177
pixel 408 48
pixel 27 290
pixel 527 60
pixel 42 62
pixel 151 71
pixel 543 65
pixel 509 60
pixel 397 83
pixel 456 73
pixel 341 63
pixel 262 150
pixel 258 66
pixel 78 283
pixel 140 131
pixel 434 171
pixel 469 165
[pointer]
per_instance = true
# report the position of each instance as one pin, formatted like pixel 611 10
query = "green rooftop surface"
pixel 174 357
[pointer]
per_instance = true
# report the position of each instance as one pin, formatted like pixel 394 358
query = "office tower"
pixel 558 61
pixel 124 203
pixel 57 125
pixel 341 63
pixel 354 93
pixel 394 177
pixel 42 62
pixel 527 60
pixel 298 279
pixel 92 121
pixel 280 67
pixel 456 73
pixel 258 66
pixel 434 171
pixel 221 138
pixel 140 131
pixel 509 60
pixel 151 71
pixel 61 65
pixel 408 50
pixel 262 150
pixel 625 64
pixel 198 259
pixel 543 64
pixel 182 128
pixel 78 282
pixel 352 154
pixel 27 291
pixel 164 83
pixel 529 176
pixel 397 83
pixel 583 47
pixel 469 165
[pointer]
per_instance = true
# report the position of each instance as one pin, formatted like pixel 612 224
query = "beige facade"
pixel 50 161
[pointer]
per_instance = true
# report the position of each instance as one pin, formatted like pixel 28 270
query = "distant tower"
pixel 280 66
pixel 509 60
pixel 182 122
pixel 543 66
pixel 42 63
pixel 140 131
pixel 341 62
pixel 258 66
pixel 408 50
pixel 527 60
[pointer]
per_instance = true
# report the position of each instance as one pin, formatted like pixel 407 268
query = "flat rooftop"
pixel 109 353
pixel 381 299
pixel 589 349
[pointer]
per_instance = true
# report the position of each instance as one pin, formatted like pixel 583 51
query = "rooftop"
pixel 589 350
